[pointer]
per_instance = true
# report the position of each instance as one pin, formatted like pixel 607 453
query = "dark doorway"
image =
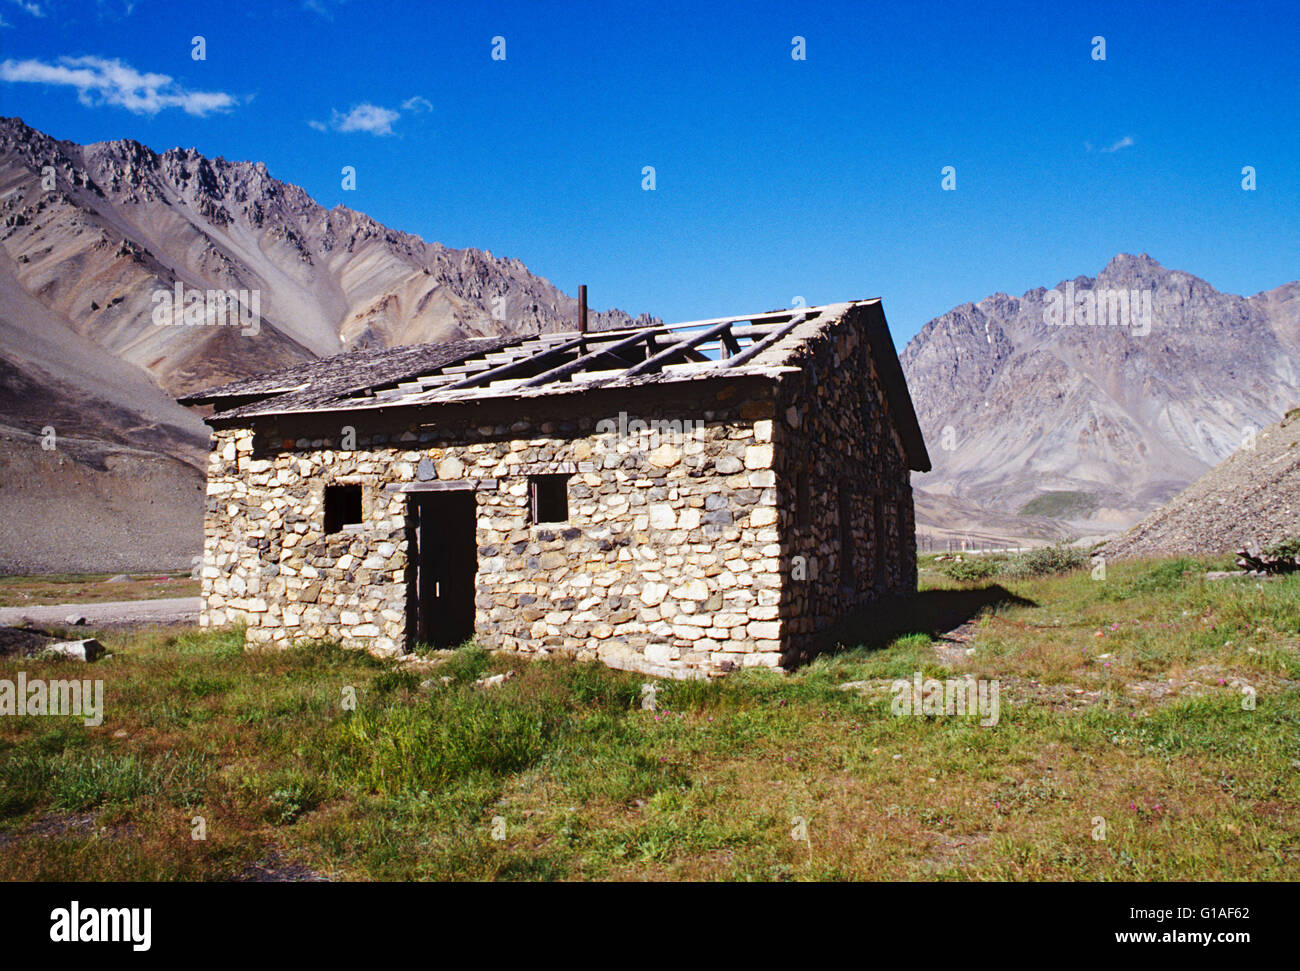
pixel 443 562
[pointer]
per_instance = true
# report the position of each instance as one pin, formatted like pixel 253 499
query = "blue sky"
pixel 776 178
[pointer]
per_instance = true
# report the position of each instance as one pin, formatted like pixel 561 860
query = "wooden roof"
pixel 539 365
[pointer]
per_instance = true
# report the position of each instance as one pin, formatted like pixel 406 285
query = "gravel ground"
pixel 122 613
pixel 1252 497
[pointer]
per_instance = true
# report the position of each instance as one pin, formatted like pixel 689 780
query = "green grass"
pixel 84 588
pixel 1060 505
pixel 1120 699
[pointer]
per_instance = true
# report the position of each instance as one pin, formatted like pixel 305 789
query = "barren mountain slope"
pixel 1100 422
pixel 121 488
pixel 90 236
pixel 1252 497
pixel 121 223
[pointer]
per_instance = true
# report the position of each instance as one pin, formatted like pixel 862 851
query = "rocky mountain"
pixel 1054 404
pixel 1250 498
pixel 98 241
pixel 1040 422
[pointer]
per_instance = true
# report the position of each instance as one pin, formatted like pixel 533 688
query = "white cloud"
pixel 1124 142
pixel 32 8
pixel 372 119
pixel 114 10
pixel 324 8
pixel 100 80
pixel 367 118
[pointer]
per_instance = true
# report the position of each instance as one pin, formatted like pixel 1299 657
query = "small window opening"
pixel 342 507
pixel 548 498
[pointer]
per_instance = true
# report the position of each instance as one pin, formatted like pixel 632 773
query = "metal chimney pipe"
pixel 582 308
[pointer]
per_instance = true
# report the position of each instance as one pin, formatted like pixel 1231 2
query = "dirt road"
pixel 175 610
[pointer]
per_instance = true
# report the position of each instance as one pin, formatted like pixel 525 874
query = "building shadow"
pixel 930 612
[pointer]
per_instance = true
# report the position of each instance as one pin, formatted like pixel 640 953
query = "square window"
pixel 342 506
pixel 548 498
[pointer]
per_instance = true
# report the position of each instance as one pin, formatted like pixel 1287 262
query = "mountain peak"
pixel 325 278
pixel 1123 262
pixel 1119 417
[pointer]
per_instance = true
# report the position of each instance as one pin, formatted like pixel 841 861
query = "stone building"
pixel 678 499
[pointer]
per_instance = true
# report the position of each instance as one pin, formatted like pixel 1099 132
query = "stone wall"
pixel 716 544
pixel 835 437
pixel 267 562
pixel 670 562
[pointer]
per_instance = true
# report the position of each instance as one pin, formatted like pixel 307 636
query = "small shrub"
pixel 466 665
pixel 972 568
pixel 1289 547
pixel 295 796
pixel 1046 560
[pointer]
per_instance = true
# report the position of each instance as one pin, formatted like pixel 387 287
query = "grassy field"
pixel 84 588
pixel 1128 748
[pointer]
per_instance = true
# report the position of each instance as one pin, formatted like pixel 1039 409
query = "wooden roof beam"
pixel 656 361
pixel 759 346
pixel 510 368
pixel 579 364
